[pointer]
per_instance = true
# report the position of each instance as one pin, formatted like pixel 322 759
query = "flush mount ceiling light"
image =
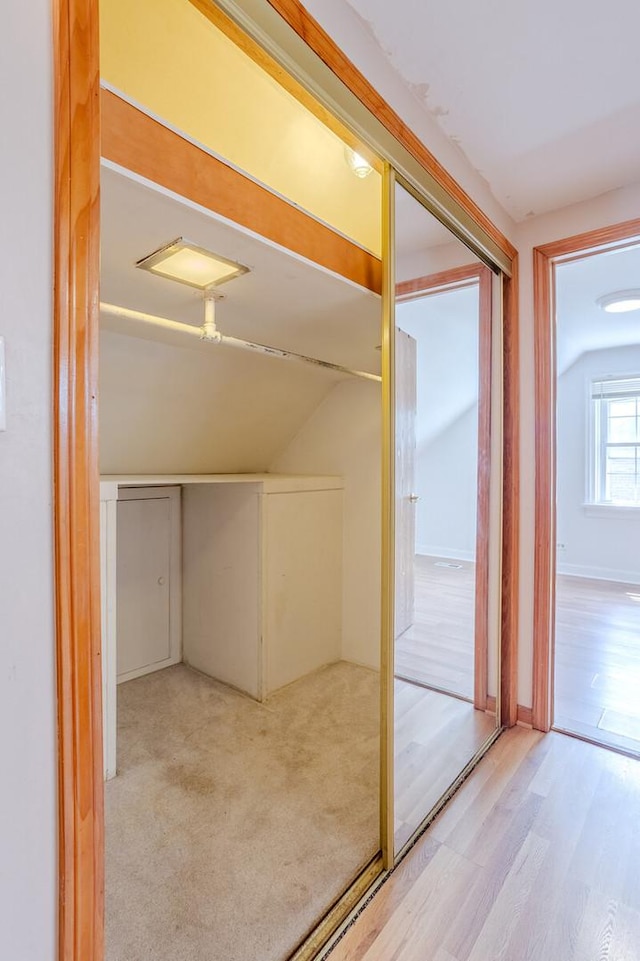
pixel 620 302
pixel 190 264
pixel 357 163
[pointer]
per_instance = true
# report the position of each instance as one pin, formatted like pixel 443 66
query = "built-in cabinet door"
pixel 145 544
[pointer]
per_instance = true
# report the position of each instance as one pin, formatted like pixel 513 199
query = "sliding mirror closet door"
pixel 445 650
pixel 240 447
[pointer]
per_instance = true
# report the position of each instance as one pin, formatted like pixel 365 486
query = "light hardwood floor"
pixel 535 859
pixel 597 651
pixel 597 661
pixel 436 736
pixel 438 649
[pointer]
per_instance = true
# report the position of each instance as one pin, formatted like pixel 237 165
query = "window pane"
pixel 621 460
pixel 622 481
pixel 622 408
pixel 623 429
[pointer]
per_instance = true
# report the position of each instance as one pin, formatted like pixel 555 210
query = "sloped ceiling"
pixel 170 403
pixel 543 99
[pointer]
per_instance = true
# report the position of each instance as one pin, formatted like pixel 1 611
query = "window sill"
pixel 612 510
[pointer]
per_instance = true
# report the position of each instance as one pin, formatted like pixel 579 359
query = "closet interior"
pixel 300 649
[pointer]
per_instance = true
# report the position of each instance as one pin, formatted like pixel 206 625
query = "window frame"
pixel 598 444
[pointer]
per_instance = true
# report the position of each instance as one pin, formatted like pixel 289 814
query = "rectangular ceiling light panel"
pixel 190 264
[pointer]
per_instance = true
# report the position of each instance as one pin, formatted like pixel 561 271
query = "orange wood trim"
pixel 587 244
pixel 525 716
pixel 76 505
pixel 523 713
pixel 293 12
pixel 434 283
pixel 510 501
pixel 544 558
pixel 226 25
pixel 544 260
pixel 132 139
pixel 481 642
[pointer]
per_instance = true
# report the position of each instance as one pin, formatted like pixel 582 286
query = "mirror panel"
pixel 240 449
pixel 445 660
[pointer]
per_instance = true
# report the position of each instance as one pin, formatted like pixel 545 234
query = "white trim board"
pixel 599 573
pixel 450 553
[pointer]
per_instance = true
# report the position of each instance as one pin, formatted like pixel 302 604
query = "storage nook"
pixel 237 575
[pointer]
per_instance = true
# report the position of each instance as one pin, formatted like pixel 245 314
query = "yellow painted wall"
pixel 169 58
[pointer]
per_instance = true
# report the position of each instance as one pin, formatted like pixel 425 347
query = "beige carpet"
pixel 232 826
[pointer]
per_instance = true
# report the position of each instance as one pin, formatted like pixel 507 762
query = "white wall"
pixel 28 896
pixel 445 328
pixel 611 208
pixel 594 545
pixel 355 38
pixel 421 262
pixel 175 409
pixel 343 436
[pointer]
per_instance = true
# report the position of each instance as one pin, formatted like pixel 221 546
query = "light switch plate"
pixel 3 388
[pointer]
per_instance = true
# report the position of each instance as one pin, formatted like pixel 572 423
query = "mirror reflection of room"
pixel 240 439
pixel 445 675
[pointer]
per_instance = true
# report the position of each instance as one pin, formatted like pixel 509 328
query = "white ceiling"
pixel 543 99
pixel 283 301
pixel 581 324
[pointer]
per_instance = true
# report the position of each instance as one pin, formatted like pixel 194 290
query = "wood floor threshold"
pixel 432 687
pixel 616 748
pixel 378 882
pixel 333 940
pixel 342 913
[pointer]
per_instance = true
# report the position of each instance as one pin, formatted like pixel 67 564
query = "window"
pixel 616 441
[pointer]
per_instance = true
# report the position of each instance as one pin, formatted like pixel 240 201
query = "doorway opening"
pixel 139 143
pixel 592 469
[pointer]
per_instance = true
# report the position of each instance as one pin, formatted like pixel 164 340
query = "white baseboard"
pixel 451 553
pixel 599 573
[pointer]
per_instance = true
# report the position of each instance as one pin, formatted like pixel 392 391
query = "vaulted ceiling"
pixel 543 99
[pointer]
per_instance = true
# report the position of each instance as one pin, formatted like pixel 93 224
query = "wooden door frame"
pixel 76 482
pixel 545 259
pixel 75 442
pixel 457 278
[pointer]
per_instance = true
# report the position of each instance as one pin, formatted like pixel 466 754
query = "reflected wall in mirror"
pixel 241 504
pixel 445 653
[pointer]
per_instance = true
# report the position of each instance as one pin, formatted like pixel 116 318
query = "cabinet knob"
pixel 161 581
pixel 414 498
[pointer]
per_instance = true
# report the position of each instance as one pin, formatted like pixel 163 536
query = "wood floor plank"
pixel 462 837
pixel 438 649
pixel 436 736
pixel 426 912
pixel 511 902
pixel 554 823
pixel 597 660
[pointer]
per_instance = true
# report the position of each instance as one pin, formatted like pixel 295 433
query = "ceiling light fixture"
pixel 357 163
pixel 191 264
pixel 620 302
